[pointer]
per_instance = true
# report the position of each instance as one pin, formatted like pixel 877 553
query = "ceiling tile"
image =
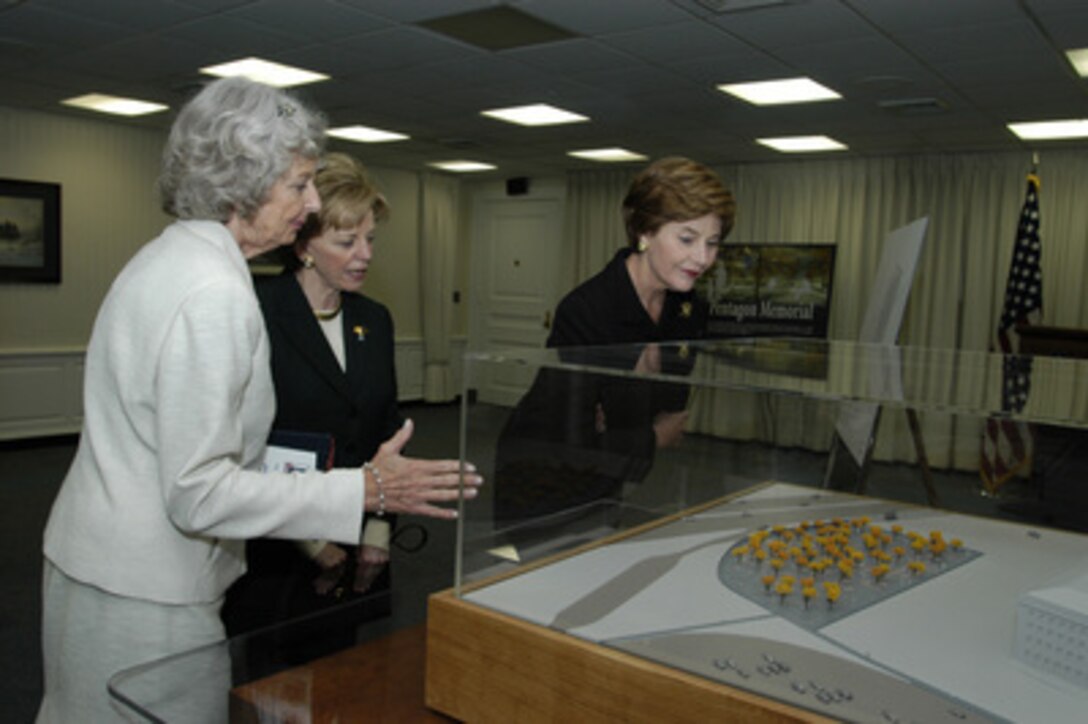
pixel 136 14
pixel 317 20
pixel 895 16
pixel 401 48
pixel 222 33
pixel 413 11
pixel 595 18
pixel 677 42
pixel 782 26
pixel 572 57
pixel 59 31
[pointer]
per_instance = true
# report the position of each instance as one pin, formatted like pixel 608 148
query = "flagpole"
pixel 1007 444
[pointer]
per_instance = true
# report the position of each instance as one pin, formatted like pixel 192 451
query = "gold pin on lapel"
pixel 360 332
pixel 685 310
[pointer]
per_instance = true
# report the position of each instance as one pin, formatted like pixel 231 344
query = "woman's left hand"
pixel 414 485
pixel 369 562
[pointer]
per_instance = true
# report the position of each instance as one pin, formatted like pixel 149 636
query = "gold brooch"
pixel 685 310
pixel 360 332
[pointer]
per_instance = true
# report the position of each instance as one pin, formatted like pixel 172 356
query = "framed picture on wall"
pixel 29 231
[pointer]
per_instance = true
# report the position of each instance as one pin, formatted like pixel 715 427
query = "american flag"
pixel 1007 444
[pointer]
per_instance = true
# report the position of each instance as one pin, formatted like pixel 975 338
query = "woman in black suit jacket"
pixel 577 438
pixel 334 374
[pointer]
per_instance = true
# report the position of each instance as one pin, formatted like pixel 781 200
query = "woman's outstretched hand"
pixel 416 486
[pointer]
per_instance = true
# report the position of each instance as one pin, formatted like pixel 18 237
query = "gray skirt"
pixel 88 635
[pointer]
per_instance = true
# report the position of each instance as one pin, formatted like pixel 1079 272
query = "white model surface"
pixel 658 594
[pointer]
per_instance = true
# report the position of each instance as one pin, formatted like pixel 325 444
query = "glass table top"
pixel 320 667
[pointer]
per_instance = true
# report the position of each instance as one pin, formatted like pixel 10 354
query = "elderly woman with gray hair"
pixel 148 528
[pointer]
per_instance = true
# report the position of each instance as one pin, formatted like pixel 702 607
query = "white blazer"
pixel 178 399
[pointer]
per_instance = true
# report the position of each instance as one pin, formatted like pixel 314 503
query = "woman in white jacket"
pixel 148 528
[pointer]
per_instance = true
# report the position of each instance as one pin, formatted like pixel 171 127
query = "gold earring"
pixel 308 261
pixel 643 245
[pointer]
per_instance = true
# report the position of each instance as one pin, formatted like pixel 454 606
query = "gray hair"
pixel 230 144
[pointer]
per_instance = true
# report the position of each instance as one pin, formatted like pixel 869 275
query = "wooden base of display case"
pixel 484 666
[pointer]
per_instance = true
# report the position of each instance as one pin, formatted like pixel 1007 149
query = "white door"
pixel 515 263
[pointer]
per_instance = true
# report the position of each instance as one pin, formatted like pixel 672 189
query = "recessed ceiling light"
pixel 364 134
pixel 802 144
pixel 265 71
pixel 114 104
pixel 1079 58
pixel 777 92
pixel 538 114
pixel 462 166
pixel 607 154
pixel 1051 130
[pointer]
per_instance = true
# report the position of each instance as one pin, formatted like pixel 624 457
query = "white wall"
pixel 108 209
pixel 107 173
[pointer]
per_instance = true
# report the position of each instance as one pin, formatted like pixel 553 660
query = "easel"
pixel 861 471
pixel 855 430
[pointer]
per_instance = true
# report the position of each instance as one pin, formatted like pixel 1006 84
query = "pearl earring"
pixel 308 261
pixel 643 245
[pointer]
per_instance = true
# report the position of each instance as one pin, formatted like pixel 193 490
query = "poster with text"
pixel 760 290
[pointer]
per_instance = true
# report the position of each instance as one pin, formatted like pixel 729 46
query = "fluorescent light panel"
pixel 802 144
pixel 365 134
pixel 265 71
pixel 462 166
pixel 1079 58
pixel 778 92
pixel 607 155
pixel 537 114
pixel 114 104
pixel 1051 130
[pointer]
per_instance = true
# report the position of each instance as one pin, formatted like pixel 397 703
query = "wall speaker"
pixel 517 186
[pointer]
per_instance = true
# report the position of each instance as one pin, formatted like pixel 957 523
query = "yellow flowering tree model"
pixel 782 560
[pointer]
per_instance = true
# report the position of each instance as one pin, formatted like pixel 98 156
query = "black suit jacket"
pixel 553 453
pixel 358 406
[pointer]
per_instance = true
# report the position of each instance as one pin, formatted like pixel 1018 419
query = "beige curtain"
pixel 594 221
pixel 438 237
pixel 973 203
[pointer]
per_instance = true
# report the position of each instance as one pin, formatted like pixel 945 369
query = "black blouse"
pixel 575 437
pixel 605 309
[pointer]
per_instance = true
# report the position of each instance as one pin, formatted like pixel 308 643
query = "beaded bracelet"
pixel 381 491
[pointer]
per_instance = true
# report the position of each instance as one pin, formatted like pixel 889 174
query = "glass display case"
pixel 772 529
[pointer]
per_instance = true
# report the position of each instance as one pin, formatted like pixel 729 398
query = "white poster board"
pixel 887 302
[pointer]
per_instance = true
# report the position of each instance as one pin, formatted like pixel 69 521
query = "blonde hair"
pixel 347 193
pixel 347 196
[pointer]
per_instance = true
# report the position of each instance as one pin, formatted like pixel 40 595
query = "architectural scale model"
pixel 855 608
